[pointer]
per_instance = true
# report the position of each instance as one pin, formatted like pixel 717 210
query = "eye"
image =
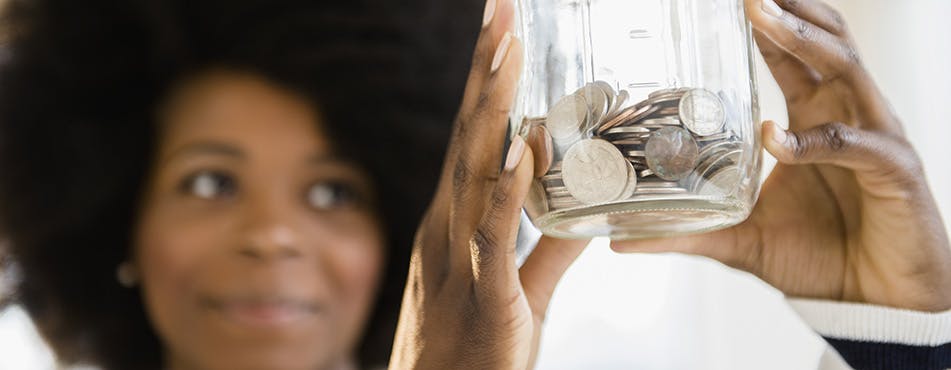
pixel 332 195
pixel 209 185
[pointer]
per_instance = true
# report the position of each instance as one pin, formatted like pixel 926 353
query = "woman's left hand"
pixel 467 305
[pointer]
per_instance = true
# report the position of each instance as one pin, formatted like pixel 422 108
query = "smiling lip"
pixel 265 312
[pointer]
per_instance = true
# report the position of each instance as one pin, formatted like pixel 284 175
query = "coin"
pixel 567 117
pixel 672 153
pixel 631 187
pixel 724 182
pixel 597 102
pixel 665 121
pixel 702 112
pixel 595 171
pixel 536 205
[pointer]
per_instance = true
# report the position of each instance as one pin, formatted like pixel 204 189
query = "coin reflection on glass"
pixel 672 153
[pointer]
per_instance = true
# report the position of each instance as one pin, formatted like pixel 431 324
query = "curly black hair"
pixel 79 85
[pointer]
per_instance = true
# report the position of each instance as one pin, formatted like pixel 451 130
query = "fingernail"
pixel 501 51
pixel 489 12
pixel 516 149
pixel 771 8
pixel 779 135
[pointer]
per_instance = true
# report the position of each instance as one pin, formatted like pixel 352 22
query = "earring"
pixel 127 275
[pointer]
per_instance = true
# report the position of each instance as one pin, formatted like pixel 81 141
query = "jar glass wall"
pixel 652 110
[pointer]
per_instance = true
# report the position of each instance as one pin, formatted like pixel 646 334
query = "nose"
pixel 270 234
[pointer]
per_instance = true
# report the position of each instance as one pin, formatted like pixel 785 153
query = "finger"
pixel 496 22
pixel 736 247
pixel 797 81
pixel 544 268
pixel 477 164
pixel 542 148
pixel 492 244
pixel 818 13
pixel 876 158
pixel 830 55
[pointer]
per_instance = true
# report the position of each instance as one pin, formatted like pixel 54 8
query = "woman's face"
pixel 257 248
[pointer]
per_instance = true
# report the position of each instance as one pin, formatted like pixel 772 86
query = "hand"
pixel 467 305
pixel 847 214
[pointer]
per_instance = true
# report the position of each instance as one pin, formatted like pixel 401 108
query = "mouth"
pixel 264 312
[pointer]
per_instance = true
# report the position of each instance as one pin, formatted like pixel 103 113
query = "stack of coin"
pixel 674 142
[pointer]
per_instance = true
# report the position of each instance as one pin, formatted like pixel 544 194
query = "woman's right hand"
pixel 467 305
pixel 847 214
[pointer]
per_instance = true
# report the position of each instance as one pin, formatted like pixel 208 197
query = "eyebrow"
pixel 221 149
pixel 207 148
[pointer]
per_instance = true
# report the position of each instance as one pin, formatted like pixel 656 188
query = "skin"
pixel 467 305
pixel 847 214
pixel 257 247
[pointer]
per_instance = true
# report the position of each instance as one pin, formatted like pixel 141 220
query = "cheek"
pixel 171 252
pixel 356 263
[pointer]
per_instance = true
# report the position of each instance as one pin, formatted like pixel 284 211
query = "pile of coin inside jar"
pixel 676 142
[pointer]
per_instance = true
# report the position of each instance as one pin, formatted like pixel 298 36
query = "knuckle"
pixel 804 30
pixel 499 200
pixel 462 175
pixel 837 21
pixel 792 5
pixel 488 108
pixel 483 243
pixel 837 137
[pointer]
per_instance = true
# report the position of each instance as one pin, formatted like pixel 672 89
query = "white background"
pixel 678 312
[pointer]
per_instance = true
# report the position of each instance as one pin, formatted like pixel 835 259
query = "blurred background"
pixel 679 312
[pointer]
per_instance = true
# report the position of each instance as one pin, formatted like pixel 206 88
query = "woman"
pixel 248 202
pixel 203 184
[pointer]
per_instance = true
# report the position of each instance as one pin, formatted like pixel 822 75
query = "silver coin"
pixel 608 92
pixel 597 102
pixel 595 171
pixel 722 183
pixel 627 130
pixel 567 117
pixel 536 204
pixel 635 153
pixel 646 173
pixel 672 153
pixel 717 137
pixel 631 184
pixel 620 99
pixel 659 191
pixel 702 112
pixel 671 91
pixel 666 121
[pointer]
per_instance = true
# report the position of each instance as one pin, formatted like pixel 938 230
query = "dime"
pixel 595 171
pixel 567 118
pixel 672 153
pixel 702 112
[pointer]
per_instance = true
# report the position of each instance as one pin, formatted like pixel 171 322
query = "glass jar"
pixel 651 108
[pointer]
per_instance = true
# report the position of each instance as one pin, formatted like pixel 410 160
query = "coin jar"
pixel 652 113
